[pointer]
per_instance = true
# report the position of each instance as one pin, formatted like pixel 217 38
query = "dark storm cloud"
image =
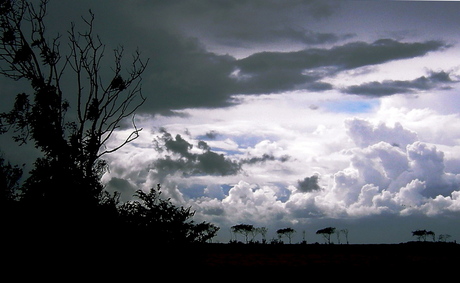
pixel 344 57
pixel 389 87
pixel 264 158
pixel 182 73
pixel 309 184
pixel 183 160
pixel 248 38
pixel 245 23
pixel 269 72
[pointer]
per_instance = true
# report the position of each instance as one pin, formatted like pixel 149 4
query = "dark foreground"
pixel 428 255
pixel 115 258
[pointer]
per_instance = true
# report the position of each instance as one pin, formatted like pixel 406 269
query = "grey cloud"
pixel 243 23
pixel 191 164
pixel 344 57
pixel 389 87
pixel 264 158
pixel 122 186
pixel 247 38
pixel 212 135
pixel 182 73
pixel 309 184
pixel 268 72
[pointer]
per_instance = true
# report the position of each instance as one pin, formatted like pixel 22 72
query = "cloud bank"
pixel 386 170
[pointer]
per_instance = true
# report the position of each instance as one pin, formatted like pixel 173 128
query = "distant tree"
pixel 304 238
pixel 161 220
pixel 345 232
pixel 423 234
pixel 326 233
pixel 444 237
pixel 287 232
pixel 263 232
pixel 244 229
pixel 432 235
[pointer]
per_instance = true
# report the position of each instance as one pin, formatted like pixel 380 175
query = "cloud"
pixel 269 72
pixel 183 74
pixel 364 133
pixel 180 158
pixel 309 184
pixel 123 186
pixel 343 57
pixel 250 203
pixel 242 23
pixel 390 87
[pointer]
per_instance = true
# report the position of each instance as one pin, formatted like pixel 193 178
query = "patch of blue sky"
pixel 193 191
pixel 225 152
pixel 196 191
pixel 352 106
pixel 283 194
pixel 245 141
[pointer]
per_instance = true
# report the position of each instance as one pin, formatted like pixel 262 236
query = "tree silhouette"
pixel 263 232
pixel 423 234
pixel 326 233
pixel 288 232
pixel 244 229
pixel 162 221
pixel 345 232
pixel 9 178
pixel 71 132
pixel 444 237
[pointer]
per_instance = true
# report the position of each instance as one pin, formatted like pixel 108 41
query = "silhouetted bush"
pixel 160 220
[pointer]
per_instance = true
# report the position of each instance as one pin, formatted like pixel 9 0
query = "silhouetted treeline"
pixel 63 197
pixel 150 217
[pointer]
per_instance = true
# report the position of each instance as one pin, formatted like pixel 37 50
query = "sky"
pixel 302 114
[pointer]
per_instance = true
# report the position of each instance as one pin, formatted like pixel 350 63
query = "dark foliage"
pixel 9 178
pixel 288 232
pixel 244 229
pixel 160 220
pixel 63 197
pixel 326 233
pixel 423 234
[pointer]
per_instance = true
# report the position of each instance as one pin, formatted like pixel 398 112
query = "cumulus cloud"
pixel 381 178
pixel 364 133
pixel 246 202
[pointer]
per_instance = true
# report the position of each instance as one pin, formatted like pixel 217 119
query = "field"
pixel 428 255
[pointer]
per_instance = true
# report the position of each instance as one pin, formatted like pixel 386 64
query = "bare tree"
pixel 345 232
pixel 263 232
pixel 72 147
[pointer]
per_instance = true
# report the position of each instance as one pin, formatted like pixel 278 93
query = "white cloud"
pixel 367 167
pixel 363 133
pixel 246 202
